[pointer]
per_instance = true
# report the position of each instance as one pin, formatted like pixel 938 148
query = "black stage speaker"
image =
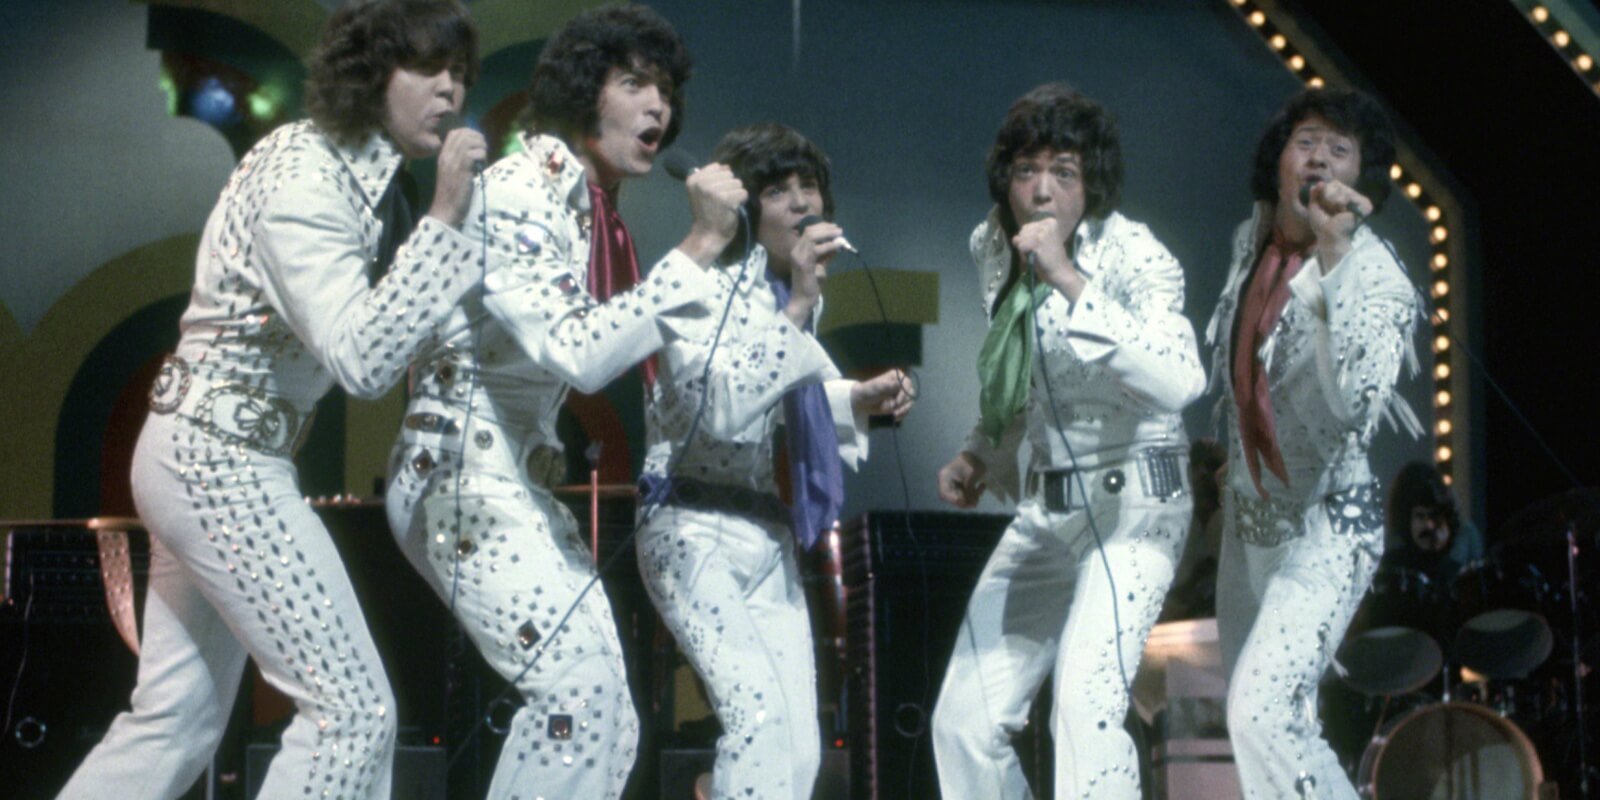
pixel 73 674
pixel 64 671
pixel 907 579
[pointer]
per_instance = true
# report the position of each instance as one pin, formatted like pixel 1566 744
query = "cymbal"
pixel 1388 661
pixel 1547 521
pixel 1505 643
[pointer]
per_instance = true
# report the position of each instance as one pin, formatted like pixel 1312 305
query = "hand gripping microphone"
pixel 1305 199
pixel 812 219
pixel 449 122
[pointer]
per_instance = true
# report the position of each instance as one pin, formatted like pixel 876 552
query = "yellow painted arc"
pixel 41 365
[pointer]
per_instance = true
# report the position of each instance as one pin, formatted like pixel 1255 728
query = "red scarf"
pixel 613 263
pixel 1264 301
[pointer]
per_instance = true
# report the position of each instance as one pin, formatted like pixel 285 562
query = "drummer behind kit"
pixel 1495 628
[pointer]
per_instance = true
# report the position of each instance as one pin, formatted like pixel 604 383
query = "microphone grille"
pixel 449 122
pixel 1305 189
pixel 679 164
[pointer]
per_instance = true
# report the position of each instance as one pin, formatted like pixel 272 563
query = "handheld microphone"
pixel 1305 190
pixel 1305 199
pixel 812 219
pixel 451 121
pixel 678 164
pixel 1038 214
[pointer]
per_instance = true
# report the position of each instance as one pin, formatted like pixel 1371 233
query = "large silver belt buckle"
pixel 1162 473
pixel 253 417
pixel 1265 523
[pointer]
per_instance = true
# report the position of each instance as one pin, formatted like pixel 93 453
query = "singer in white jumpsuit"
pixel 282 309
pixel 719 557
pixel 1116 366
pixel 1303 517
pixel 469 482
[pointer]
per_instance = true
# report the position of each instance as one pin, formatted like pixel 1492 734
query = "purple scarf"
pixel 816 479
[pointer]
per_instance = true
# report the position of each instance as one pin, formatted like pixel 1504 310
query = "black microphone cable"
pixel 476 330
pixel 1483 370
pixel 458 644
pixel 911 385
pixel 650 505
pixel 1083 492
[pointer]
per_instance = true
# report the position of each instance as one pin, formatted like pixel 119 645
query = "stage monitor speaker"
pixel 66 671
pixel 907 579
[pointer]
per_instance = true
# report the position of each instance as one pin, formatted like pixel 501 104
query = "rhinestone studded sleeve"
pixel 1364 332
pixel 539 294
pixel 761 356
pixel 1129 318
pixel 313 258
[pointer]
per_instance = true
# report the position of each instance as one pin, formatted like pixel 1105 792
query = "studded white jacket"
pixel 760 356
pixel 1122 361
pixel 281 303
pixel 534 330
pixel 1332 362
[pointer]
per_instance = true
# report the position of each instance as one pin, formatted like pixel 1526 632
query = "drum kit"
pixel 1491 669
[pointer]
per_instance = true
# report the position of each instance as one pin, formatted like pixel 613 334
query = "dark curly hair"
pixel 768 153
pixel 365 42
pixel 564 94
pixel 1350 112
pixel 1056 116
pixel 1419 484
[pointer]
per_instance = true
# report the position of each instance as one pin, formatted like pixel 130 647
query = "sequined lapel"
pixel 1086 246
pixel 560 167
pixel 372 162
pixel 993 256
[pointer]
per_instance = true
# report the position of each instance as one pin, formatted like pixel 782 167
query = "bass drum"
pixel 1451 751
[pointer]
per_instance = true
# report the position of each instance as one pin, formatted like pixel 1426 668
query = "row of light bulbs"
pixel 1582 63
pixel 1438 236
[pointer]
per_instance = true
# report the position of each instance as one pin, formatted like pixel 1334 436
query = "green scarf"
pixel 1005 364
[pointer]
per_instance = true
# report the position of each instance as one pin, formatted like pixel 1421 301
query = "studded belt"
pixel 234 412
pixel 737 501
pixel 1273 521
pixel 1158 474
pixel 544 464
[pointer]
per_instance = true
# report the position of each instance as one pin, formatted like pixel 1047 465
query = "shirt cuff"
pixel 678 281
pixel 849 426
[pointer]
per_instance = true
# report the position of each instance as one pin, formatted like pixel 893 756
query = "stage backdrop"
pixel 110 174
